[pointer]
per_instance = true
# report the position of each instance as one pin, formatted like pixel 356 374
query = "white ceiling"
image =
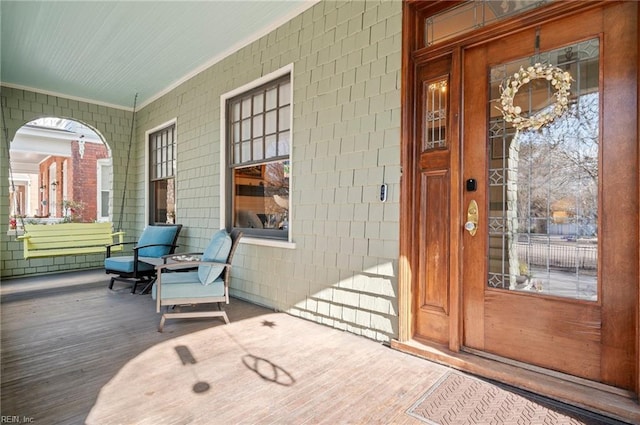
pixel 107 51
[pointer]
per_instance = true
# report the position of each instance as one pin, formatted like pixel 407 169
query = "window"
pixel 162 163
pixel 258 138
pixel 105 170
pixel 471 15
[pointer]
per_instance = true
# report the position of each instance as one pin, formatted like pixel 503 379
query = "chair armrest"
pixel 120 243
pixel 183 264
pixel 116 244
pixel 155 244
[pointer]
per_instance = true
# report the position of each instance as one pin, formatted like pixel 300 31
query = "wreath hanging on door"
pixel 560 80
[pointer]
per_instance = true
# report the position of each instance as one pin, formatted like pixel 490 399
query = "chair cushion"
pixel 187 285
pixel 124 264
pixel 218 251
pixel 157 235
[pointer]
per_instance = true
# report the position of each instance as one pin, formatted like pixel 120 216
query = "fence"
pixel 559 256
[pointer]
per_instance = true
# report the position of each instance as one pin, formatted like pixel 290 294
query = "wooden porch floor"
pixel 74 352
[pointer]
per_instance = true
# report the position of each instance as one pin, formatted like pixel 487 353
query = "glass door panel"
pixel 543 184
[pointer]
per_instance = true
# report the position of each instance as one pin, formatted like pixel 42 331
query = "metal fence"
pixel 565 256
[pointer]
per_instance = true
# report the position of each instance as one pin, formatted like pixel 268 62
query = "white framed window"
pixel 104 172
pixel 161 162
pixel 256 137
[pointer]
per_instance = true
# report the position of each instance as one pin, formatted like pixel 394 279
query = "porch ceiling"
pixel 106 51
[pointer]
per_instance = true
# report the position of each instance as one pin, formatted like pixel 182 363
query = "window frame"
pixel 226 168
pixel 149 199
pixel 104 165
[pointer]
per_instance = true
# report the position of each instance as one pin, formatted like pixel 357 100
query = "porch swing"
pixel 43 241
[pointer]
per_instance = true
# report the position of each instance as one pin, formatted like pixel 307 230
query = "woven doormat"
pixel 462 399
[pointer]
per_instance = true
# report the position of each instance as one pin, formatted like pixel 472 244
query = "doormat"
pixel 461 399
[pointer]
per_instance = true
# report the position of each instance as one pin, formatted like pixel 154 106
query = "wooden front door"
pixel 550 275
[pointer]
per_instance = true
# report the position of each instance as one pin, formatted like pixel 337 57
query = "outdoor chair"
pixel 155 242
pixel 206 282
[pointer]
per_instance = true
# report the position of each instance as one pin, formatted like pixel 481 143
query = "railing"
pixel 566 256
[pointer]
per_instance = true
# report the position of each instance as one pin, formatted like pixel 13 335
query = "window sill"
pixel 15 232
pixel 267 242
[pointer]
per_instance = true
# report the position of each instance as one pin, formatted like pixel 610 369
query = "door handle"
pixel 472 218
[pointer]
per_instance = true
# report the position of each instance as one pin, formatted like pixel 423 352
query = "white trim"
pixel 173 121
pixel 267 242
pixel 67 96
pixel 247 41
pixel 287 69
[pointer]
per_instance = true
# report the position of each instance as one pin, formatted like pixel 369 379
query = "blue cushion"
pixel 218 251
pixel 187 285
pixel 157 235
pixel 124 264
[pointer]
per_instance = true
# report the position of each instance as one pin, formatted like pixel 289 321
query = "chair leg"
pixel 111 282
pixel 161 325
pixel 148 286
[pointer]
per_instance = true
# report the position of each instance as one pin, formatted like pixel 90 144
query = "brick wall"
pixel 84 177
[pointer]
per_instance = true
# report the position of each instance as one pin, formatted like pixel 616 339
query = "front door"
pixel 550 253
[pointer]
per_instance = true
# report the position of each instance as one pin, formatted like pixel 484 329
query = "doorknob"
pixel 472 218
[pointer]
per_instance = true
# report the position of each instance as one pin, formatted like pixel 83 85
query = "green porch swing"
pixel 42 241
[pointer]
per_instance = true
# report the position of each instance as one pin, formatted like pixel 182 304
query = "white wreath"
pixel 560 80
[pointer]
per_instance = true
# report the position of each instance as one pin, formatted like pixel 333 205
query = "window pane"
pixel 272 98
pixel 235 111
pixel 236 153
pixel 257 125
pixel 284 117
pixel 435 120
pixel 285 94
pixel 258 103
pixel 236 133
pixel 283 143
pixel 271 122
pixel 246 107
pixel 246 151
pixel 261 197
pixel 104 203
pixel 258 152
pixel 246 129
pixel 271 146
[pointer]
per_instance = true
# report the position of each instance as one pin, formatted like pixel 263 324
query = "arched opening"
pixel 61 172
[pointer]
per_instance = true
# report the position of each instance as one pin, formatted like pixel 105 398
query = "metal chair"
pixel 155 242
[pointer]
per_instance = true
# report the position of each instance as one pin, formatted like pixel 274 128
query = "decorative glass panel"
pixel 472 15
pixel 436 108
pixel 543 184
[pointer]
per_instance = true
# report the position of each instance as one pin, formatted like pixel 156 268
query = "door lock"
pixel 472 218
